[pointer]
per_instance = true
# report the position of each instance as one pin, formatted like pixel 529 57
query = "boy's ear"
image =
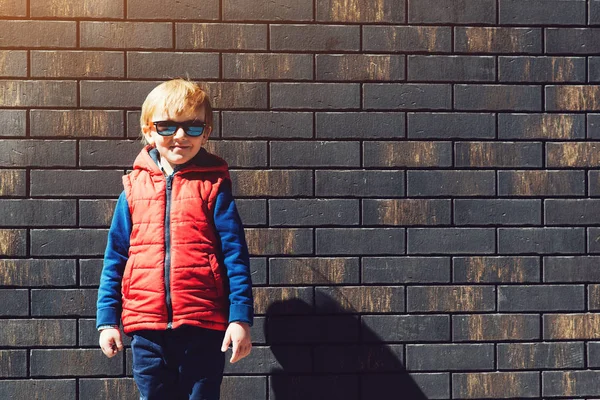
pixel 147 132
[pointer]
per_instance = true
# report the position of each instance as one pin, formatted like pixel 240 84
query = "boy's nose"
pixel 179 132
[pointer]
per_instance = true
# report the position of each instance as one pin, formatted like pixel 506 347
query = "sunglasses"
pixel 191 128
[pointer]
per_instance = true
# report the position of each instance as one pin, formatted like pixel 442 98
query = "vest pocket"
pixel 214 268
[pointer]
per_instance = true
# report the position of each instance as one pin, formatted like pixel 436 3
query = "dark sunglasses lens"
pixel 195 130
pixel 166 129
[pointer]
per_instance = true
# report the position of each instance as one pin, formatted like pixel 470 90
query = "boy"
pixel 176 266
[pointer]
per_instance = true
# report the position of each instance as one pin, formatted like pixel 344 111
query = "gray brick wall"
pixel 418 179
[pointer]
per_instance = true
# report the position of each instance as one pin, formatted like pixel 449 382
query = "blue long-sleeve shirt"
pixel 233 246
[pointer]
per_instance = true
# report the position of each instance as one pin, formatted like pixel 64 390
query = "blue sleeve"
pixel 235 255
pixel 108 307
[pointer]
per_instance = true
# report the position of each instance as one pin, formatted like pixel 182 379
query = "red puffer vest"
pixel 173 275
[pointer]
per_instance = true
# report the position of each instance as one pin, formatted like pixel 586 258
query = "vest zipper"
pixel 168 252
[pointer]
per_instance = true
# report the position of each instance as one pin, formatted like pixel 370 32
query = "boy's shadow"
pixel 325 354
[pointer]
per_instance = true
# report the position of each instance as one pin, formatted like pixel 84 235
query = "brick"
pixel 450 298
pixel 360 125
pixel 283 301
pixel 360 183
pixel 236 387
pixel 451 68
pixel 256 66
pixel 280 10
pixel 29 212
pixel 76 183
pixel 415 385
pixel 405 269
pixel 540 355
pixel 42 389
pixel 594 179
pixel 452 11
pixel 13 242
pixel 314 37
pixel 312 329
pixel 593 297
pixel 496 269
pixel 497 97
pixel 407 96
pixel 90 271
pixel 360 11
pixel 77 9
pixel 258 270
pixel 490 327
pixel 252 211
pixel 266 124
pixel 592 354
pixel 359 241
pixel 11 8
pixel 581 269
pixel 77 64
pixel 572 41
pixel 46 242
pixel 279 241
pixel 114 93
pixel 257 331
pixel 225 95
pixel 360 67
pixel 297 387
pixel 108 388
pixel 593 240
pixel 451 183
pixel 542 12
pixel 301 212
pixel 63 302
pixel 38 332
pixel 541 183
pixel 12 182
pixel 570 383
pixel 374 358
pixel 545 298
pixel 13 63
pixel 108 153
pixel 406 212
pixel 362 299
pixel 594 69
pixel 15 302
pixel 541 126
pixel 80 362
pixel 96 213
pixel 215 36
pixel 314 154
pixel 451 126
pixel 449 357
pixel 13 364
pixel 407 154
pixel 313 271
pixel 579 154
pixel 37 272
pixel 594 12
pixel 541 240
pixel 498 40
pixel 493 385
pixel 77 123
pixel 35 34
pixel 497 212
pixel 14 122
pixel 37 153
pixel 498 155
pixel 163 65
pixel 272 183
pixel 571 212
pixel 38 93
pixel 573 98
pixel 126 35
pixel 185 9
pixel 541 69
pixel 315 95
pixel 407 38
pixel 406 328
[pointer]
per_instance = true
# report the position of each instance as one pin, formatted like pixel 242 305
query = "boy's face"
pixel 178 148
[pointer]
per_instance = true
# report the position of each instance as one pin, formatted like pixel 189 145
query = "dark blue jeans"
pixel 183 363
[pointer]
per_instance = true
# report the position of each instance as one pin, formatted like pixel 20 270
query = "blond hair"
pixel 173 97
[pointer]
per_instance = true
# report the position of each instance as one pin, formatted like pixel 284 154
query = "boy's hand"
pixel 110 342
pixel 238 334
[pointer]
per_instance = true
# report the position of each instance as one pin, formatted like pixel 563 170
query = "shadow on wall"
pixel 326 354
